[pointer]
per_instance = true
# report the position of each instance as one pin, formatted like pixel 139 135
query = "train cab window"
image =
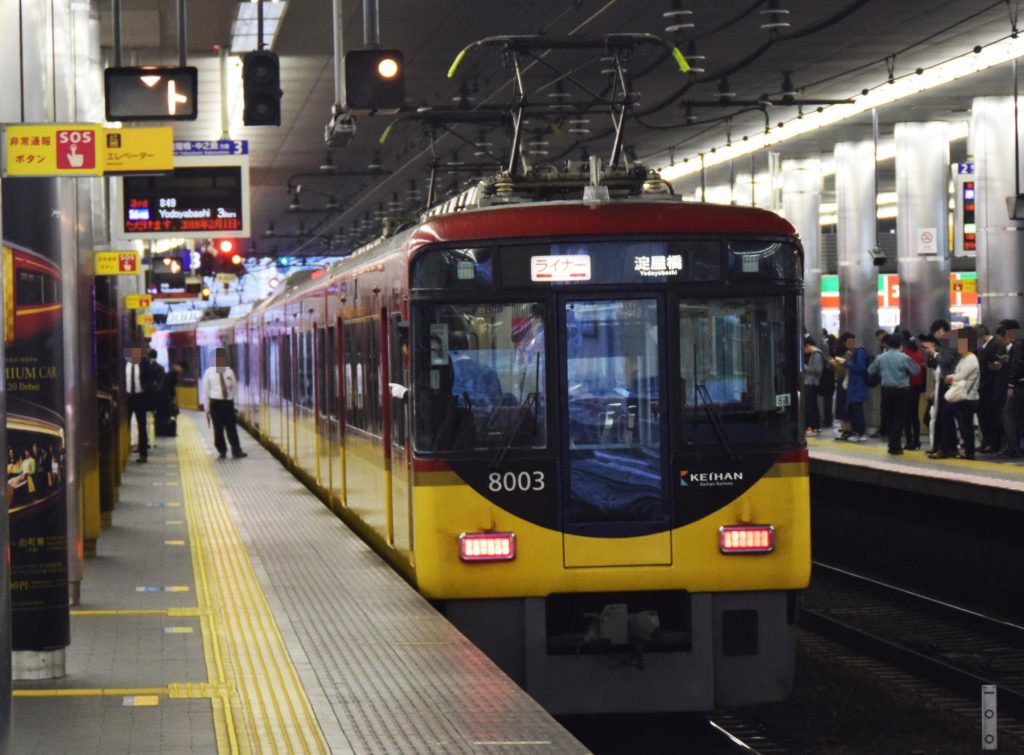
pixel 454 269
pixel 738 370
pixel 760 260
pixel 479 377
pixel 35 288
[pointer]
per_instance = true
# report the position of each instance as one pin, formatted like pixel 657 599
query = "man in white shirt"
pixel 136 377
pixel 218 390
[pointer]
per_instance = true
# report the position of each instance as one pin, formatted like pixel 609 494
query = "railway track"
pixel 954 647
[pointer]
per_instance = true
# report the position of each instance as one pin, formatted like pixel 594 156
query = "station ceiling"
pixel 831 51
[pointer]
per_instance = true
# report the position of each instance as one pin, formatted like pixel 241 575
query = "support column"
pixel 1000 255
pixel 922 231
pixel 801 205
pixel 856 234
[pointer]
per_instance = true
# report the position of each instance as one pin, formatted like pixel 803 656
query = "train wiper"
pixel 527 410
pixel 715 420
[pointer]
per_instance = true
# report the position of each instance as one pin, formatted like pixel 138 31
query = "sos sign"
pixel 76 149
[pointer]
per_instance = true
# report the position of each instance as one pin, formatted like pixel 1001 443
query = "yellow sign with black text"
pixel 117 263
pixel 131 150
pixel 53 149
pixel 85 149
pixel 138 301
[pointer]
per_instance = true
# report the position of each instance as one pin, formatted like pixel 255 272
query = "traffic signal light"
pixel 375 80
pixel 261 87
pixel 205 293
pixel 229 258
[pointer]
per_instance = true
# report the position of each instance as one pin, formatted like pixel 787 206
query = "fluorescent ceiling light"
pixel 884 94
pixel 244 31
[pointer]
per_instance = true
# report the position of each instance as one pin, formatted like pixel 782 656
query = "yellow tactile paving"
pixel 259 703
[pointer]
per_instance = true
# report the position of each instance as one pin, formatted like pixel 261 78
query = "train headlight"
pixel 487 546
pixel 747 538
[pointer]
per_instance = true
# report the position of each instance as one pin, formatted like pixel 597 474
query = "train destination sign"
pixel 205 195
pixel 117 263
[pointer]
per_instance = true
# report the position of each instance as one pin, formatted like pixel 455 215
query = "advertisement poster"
pixel 33 368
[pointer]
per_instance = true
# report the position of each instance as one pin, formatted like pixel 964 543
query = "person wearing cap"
pixel 218 389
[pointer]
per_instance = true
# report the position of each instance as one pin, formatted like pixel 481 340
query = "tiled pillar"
pixel 922 233
pixel 801 205
pixel 1000 240
pixel 858 276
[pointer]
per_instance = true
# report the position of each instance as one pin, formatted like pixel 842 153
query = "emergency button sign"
pixel 76 149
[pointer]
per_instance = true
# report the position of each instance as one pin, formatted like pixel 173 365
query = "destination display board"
pixel 205 199
pixel 207 194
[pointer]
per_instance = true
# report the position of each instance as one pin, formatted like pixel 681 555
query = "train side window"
pixel 35 288
pixel 304 369
pixel 331 365
pixel 321 371
pixel 737 369
pixel 479 377
pixel 363 374
pixel 286 367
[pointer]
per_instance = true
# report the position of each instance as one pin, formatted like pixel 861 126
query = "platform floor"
pixel 988 479
pixel 228 611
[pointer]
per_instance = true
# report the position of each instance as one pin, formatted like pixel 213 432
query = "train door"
pixel 616 509
pixel 401 450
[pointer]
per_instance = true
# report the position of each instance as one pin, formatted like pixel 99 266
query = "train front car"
pixel 610 490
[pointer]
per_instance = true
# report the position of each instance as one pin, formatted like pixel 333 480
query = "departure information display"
pixel 192 201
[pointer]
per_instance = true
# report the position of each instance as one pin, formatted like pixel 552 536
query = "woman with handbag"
pixel 960 400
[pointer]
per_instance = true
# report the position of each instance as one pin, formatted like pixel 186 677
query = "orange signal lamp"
pixel 387 68
pixel 225 246
pixel 236 259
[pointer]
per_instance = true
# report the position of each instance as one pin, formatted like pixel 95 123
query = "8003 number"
pixel 515 482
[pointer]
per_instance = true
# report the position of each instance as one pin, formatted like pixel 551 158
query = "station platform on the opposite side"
pixel 988 479
pixel 228 611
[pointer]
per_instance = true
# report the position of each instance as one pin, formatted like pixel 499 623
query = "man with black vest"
pixel 218 389
pixel 137 376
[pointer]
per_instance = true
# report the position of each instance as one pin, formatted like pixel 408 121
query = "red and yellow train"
pixel 32 295
pixel 574 426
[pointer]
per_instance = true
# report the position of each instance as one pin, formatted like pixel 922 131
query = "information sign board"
pixel 117 263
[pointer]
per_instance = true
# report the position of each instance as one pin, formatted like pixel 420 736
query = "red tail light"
pixel 487 546
pixel 747 538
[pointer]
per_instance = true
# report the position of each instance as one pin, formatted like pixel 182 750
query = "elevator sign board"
pixel 138 301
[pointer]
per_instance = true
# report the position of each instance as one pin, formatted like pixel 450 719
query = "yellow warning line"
pixel 263 705
pixel 86 692
pixel 136 612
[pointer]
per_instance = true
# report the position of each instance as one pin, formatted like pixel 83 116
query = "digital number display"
pixel 151 93
pixel 188 201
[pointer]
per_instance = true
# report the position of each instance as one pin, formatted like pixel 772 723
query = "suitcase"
pixel 167 428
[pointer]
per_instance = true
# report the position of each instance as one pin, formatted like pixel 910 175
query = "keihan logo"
pixel 708 479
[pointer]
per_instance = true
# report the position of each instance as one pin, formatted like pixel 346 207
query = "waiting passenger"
pixel 1013 412
pixel 814 366
pixel 990 352
pixel 960 399
pixel 857 388
pixel 912 425
pixel 894 369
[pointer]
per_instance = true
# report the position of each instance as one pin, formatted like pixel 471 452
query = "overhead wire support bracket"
pixel 618 46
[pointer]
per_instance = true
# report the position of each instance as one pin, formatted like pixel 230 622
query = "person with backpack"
pixel 857 388
pixel 814 366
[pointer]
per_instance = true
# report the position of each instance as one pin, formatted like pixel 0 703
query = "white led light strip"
pixel 905 86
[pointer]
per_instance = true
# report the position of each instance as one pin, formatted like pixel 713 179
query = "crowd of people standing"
pixel 950 384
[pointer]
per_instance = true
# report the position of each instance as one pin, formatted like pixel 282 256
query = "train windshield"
pixel 737 368
pixel 480 377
